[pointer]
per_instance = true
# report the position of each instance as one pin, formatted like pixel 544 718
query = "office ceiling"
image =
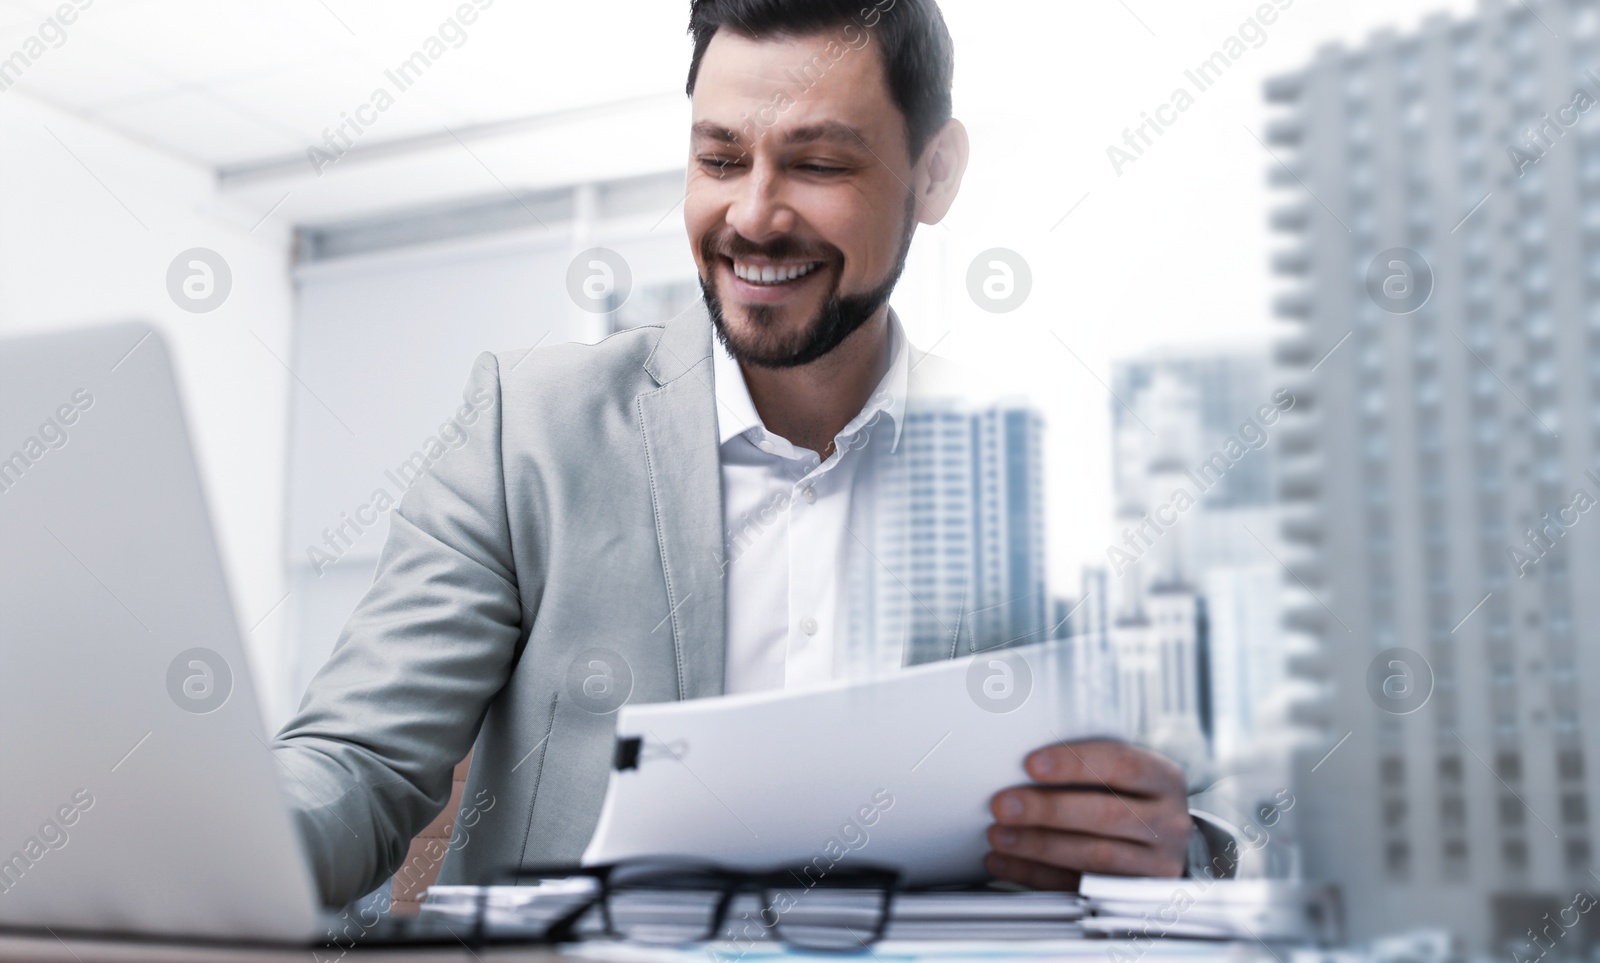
pixel 250 85
pixel 229 83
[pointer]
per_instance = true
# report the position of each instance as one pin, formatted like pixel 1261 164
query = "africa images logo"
pixel 999 682
pixel 199 680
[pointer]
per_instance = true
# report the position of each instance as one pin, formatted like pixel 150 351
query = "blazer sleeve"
pixel 366 762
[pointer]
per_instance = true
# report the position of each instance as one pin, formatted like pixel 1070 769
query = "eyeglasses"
pixel 675 902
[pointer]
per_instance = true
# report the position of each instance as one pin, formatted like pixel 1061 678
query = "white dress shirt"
pixel 794 528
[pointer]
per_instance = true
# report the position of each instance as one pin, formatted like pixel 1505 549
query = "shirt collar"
pixel 736 412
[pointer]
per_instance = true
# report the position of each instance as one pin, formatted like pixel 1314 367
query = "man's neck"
pixel 810 404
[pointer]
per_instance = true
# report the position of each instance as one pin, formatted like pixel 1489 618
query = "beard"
pixel 835 320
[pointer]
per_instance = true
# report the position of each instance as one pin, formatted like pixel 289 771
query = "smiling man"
pixel 677 510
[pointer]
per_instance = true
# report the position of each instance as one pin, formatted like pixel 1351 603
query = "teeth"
pixel 770 274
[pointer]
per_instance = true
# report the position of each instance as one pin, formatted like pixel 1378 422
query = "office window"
pixel 1393 771
pixel 1375 447
pixel 1453 812
pixel 1495 576
pixel 1512 812
pixel 1424 344
pixel 1507 765
pixel 1450 769
pixel 1479 288
pixel 1548 467
pixel 1536 276
pixel 1514 853
pixel 1419 212
pixel 1574 808
pixel 1372 355
pixel 1537 324
pixel 1361 177
pixel 1577 854
pixel 1428 392
pixel 1410 65
pixel 1569 764
pixel 1397 857
pixel 1481 334
pixel 1542 371
pixel 1530 183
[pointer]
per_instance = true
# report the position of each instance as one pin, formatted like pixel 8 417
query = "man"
pixel 589 509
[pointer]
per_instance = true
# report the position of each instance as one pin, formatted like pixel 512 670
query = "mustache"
pixel 786 248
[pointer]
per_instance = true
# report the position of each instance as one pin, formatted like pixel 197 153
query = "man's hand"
pixel 1095 807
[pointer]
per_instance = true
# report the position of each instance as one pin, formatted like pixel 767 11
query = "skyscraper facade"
pixel 1442 267
pixel 1194 470
pixel 963 553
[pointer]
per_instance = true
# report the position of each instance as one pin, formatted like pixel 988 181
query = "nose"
pixel 759 210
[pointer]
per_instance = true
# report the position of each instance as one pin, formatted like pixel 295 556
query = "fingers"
pixel 1031 874
pixel 1104 762
pixel 1103 807
pixel 1082 852
pixel 1094 813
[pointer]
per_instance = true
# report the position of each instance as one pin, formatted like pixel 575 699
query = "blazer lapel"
pixel 679 422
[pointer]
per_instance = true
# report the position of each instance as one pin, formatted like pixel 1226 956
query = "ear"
pixel 937 176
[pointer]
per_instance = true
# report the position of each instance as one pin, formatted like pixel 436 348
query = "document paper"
pixel 897 771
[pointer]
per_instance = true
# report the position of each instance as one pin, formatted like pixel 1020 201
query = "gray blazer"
pixel 583 511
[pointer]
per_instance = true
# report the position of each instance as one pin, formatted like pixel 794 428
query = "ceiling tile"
pixel 86 72
pixel 197 126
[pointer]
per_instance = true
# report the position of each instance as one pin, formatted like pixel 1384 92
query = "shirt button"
pixel 809 494
pixel 808 625
pixel 766 445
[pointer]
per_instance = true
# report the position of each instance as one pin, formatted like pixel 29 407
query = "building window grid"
pixel 1532 283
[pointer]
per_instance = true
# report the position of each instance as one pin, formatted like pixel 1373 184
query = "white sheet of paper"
pixel 896 771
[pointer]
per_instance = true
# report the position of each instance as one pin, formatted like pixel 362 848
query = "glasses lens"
pixel 665 903
pixel 821 918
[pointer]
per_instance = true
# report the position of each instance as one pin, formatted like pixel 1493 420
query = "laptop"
pixel 138 795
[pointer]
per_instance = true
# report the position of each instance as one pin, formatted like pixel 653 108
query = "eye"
pixel 719 165
pixel 823 169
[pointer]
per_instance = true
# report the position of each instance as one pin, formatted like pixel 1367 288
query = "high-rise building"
pixel 1443 260
pixel 1008 480
pixel 963 557
pixel 1193 466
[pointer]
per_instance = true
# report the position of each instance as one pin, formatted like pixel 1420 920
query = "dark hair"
pixel 918 57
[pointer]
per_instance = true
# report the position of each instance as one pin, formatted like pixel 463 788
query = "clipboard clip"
pixel 631 750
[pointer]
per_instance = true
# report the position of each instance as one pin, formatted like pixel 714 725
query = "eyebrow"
pixel 830 131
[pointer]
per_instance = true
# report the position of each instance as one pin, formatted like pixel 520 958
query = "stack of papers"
pixel 1256 909
pixel 986 915
pixel 512 911
pixel 1108 907
pixel 661 915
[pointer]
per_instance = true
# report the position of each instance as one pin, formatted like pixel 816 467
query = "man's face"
pixel 798 209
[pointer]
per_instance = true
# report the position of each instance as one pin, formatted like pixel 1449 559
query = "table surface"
pixel 46 948
pixel 29 948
